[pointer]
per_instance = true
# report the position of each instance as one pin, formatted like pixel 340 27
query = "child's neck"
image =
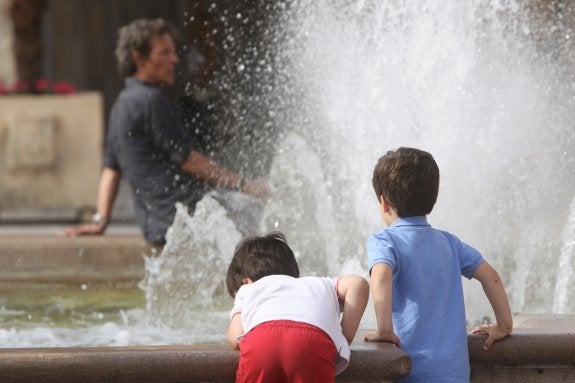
pixel 390 217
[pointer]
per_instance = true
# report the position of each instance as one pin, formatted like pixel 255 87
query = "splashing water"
pixel 484 86
pixel 189 274
pixel 565 266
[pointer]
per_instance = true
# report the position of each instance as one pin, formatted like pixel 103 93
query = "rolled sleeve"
pixel 238 304
pixel 471 259
pixel 380 250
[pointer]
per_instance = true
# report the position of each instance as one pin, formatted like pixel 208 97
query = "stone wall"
pixel 7 67
pixel 50 152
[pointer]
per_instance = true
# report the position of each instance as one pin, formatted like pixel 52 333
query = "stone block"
pixel 30 143
pixel 51 259
pixel 50 150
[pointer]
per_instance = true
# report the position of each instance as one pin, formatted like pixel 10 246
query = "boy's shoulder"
pixel 406 229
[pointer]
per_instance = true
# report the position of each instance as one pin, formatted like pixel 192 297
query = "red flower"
pixel 41 86
pixel 63 88
pixel 20 87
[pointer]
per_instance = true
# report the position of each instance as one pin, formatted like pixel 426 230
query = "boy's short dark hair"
pixel 258 257
pixel 136 36
pixel 408 179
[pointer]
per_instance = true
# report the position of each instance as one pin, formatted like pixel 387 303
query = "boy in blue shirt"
pixel 416 274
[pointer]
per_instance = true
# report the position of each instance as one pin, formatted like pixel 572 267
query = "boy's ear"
pixel 385 206
pixel 247 281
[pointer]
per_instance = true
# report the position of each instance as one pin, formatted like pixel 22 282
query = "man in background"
pixel 148 143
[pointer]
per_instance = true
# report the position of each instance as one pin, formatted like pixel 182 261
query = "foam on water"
pixel 209 327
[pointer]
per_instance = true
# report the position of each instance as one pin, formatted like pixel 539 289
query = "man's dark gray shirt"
pixel 148 142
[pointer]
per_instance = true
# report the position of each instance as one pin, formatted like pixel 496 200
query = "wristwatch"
pixel 99 219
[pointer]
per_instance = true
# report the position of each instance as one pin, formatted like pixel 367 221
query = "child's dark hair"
pixel 258 257
pixel 408 179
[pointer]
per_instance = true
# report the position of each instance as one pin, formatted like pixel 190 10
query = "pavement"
pixel 39 253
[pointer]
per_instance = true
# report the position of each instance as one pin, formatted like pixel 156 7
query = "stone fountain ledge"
pixel 541 349
pixel 370 362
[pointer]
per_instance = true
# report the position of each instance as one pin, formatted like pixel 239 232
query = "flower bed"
pixel 41 86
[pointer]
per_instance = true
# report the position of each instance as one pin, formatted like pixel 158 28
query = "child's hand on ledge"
pixel 493 332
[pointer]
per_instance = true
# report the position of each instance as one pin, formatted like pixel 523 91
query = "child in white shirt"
pixel 287 328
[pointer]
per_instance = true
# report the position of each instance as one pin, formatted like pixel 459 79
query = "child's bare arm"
pixel 495 292
pixel 353 291
pixel 235 329
pixel 381 285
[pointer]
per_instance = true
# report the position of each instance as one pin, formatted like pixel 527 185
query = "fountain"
pixel 473 84
pixel 486 87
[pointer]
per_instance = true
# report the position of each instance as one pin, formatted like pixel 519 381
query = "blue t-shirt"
pixel 427 296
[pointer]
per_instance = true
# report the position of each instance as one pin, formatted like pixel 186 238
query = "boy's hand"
pixel 495 292
pixel 493 332
pixel 380 336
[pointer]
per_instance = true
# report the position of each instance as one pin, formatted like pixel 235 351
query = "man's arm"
pixel 495 292
pixel 235 329
pixel 107 192
pixel 353 291
pixel 211 172
pixel 381 288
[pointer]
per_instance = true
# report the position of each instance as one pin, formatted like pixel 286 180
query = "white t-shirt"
pixel 311 300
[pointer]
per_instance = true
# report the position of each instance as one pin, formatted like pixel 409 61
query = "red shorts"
pixel 286 351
